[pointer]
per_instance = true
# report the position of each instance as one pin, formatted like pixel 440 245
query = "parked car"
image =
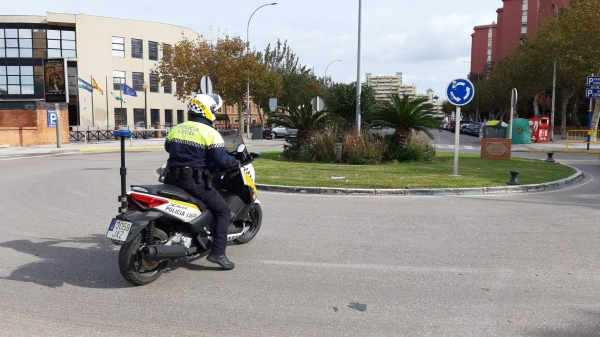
pixel 291 135
pixel 476 129
pixel 278 131
pixel 463 127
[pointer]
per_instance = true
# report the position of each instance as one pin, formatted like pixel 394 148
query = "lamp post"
pixel 248 83
pixel 145 86
pixel 328 68
pixel 358 63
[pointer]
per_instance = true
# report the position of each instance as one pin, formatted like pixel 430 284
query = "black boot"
pixel 221 260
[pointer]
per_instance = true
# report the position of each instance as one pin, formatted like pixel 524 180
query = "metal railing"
pixel 98 133
pixel 582 137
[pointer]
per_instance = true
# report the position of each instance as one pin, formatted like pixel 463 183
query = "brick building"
pixel 515 20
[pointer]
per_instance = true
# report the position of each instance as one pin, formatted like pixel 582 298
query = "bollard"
pixel 550 159
pixel 513 178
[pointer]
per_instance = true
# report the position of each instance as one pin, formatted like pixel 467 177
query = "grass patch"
pixel 475 172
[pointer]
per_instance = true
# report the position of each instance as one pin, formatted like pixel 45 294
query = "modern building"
pixel 384 86
pixel 109 51
pixel 515 20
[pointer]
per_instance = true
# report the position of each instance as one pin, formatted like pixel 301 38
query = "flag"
pixel 84 85
pixel 97 87
pixel 117 97
pixel 127 90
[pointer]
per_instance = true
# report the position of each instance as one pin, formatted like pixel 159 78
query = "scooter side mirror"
pixel 241 148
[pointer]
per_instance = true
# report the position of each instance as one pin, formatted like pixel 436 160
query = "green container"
pixel 521 133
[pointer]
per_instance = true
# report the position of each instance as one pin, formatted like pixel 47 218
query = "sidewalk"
pixel 113 145
pixel 559 145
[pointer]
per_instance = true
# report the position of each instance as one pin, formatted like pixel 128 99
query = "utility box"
pixel 540 129
pixel 257 132
pixel 521 133
pixel 495 129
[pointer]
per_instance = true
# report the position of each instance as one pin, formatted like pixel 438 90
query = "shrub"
pixel 362 148
pixel 417 149
pixel 323 143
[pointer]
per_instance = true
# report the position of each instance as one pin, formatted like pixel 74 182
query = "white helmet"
pixel 205 106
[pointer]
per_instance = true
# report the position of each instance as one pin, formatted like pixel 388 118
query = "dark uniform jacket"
pixel 197 145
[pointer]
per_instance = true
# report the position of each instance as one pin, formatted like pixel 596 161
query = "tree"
pixel 341 101
pixel 298 81
pixel 265 84
pixel 224 60
pixel 406 114
pixel 302 118
pixel 222 117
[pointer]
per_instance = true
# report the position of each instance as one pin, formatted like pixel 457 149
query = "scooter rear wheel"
pixel 254 226
pixel 136 270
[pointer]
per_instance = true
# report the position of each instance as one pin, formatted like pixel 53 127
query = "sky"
pixel 429 41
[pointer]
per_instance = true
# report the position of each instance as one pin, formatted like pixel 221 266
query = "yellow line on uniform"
pixel 135 148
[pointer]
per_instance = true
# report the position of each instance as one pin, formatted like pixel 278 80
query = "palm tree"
pixel 302 118
pixel 405 114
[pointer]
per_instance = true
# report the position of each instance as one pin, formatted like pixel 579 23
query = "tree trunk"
pixel 563 126
pixel 536 106
pixel 402 134
pixel 575 117
pixel 241 129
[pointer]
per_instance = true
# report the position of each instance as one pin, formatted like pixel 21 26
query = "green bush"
pixel 362 148
pixel 417 149
pixel 324 141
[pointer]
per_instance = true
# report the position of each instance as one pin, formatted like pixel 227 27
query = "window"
pixel 118 79
pixel 137 81
pixel 166 51
pixel 16 80
pixel 489 58
pixel 167 86
pixel 169 117
pixel 138 118
pixel 180 116
pixel 120 116
pixel 153 83
pixel 137 49
pixel 68 43
pixel 154 116
pixel 153 51
pixel 118 46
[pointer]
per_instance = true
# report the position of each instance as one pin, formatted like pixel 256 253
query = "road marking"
pixel 451 146
pixel 388 268
pixel 468 147
pixel 45 155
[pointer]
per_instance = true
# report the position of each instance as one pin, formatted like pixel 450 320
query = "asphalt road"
pixel 516 265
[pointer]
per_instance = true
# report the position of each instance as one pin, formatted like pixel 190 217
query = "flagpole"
pixel 93 120
pixel 121 96
pixel 106 80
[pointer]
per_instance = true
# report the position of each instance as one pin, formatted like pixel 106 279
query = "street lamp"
pixel 145 86
pixel 326 71
pixel 248 51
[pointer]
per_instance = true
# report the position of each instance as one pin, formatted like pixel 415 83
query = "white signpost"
pixel 459 92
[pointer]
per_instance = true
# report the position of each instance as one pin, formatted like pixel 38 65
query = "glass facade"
pixel 23 46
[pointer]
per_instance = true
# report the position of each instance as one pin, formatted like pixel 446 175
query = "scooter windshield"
pixel 232 139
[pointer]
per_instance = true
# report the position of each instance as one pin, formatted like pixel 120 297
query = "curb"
pixel 553 185
pixel 131 148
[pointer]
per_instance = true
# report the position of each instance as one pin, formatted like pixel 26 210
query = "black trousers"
pixel 217 205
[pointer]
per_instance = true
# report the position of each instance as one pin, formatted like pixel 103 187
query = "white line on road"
pixel 46 155
pixel 389 268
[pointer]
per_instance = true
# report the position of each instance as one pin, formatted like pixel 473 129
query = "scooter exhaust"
pixel 163 252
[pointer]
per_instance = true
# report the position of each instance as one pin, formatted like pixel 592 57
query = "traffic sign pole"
pixel 456 139
pixel 58 144
pixel 459 92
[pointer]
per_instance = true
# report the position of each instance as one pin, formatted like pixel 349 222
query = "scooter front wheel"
pixel 133 267
pixel 255 215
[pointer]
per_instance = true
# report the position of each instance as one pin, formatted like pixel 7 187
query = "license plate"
pixel 118 230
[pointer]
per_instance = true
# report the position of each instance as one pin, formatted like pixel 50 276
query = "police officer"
pixel 195 147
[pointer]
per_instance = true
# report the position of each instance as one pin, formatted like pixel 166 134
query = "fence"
pixel 582 137
pixel 98 133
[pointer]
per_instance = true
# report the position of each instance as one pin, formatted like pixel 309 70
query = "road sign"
pixel 273 104
pixel 592 93
pixel 51 118
pixel 206 85
pixel 318 104
pixel 593 80
pixel 460 91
